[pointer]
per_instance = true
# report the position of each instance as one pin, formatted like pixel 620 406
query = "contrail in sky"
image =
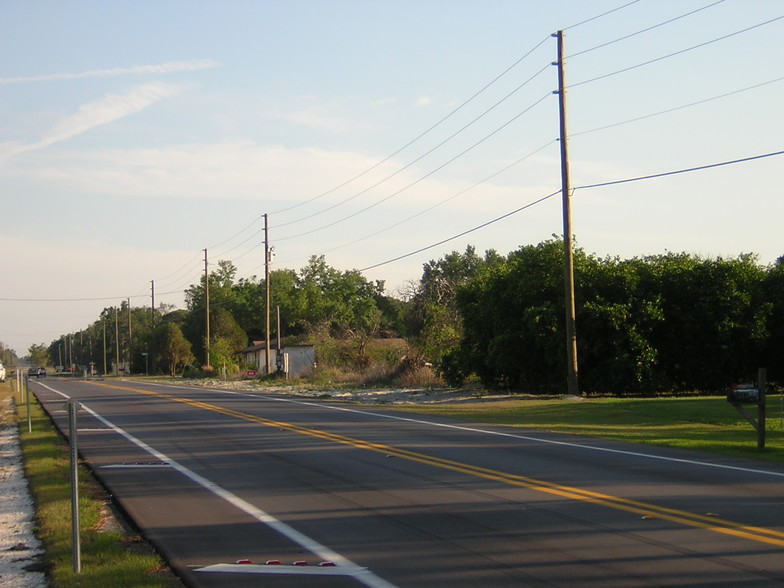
pixel 94 114
pixel 163 68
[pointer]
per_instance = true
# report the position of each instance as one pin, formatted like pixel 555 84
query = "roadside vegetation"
pixel 655 325
pixel 110 557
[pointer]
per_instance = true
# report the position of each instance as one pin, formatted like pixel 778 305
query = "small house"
pixel 294 360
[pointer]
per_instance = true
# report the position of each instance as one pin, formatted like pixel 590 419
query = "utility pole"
pixel 130 340
pixel 279 355
pixel 117 340
pixel 104 346
pixel 267 295
pixel 152 339
pixel 572 384
pixel 207 312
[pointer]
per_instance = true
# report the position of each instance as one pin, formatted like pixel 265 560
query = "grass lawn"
pixel 699 423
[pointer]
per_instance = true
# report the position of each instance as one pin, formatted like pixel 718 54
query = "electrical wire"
pixel 593 18
pixel 645 30
pixel 639 118
pixel 427 175
pixel 584 187
pixel 422 156
pixel 453 237
pixel 249 225
pixel 445 200
pixel 418 137
pixel 680 171
pixel 663 57
pixel 188 265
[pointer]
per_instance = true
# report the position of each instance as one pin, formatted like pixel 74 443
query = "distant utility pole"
pixel 130 339
pixel 267 295
pixel 116 341
pixel 572 384
pixel 151 348
pixel 104 345
pixel 207 312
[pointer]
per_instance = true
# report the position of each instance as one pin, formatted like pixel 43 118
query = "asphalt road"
pixel 367 496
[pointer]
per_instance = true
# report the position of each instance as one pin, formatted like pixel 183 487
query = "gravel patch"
pixel 21 555
pixel 394 396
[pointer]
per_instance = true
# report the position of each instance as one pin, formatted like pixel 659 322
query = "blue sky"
pixel 133 135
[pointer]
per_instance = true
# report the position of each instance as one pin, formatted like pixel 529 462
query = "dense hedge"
pixel 672 322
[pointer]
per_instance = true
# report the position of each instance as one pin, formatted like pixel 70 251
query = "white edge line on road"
pixel 351 569
pixel 489 432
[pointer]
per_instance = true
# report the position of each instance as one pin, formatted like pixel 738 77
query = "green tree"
pixel 773 358
pixel 434 321
pixel 715 319
pixel 39 354
pixel 227 337
pixel 172 349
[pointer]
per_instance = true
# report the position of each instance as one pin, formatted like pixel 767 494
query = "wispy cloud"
pixel 160 69
pixel 108 109
pixel 315 118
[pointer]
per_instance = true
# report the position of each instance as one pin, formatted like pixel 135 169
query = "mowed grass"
pixel 699 423
pixel 109 558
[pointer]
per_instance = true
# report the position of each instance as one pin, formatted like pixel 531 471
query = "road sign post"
pixel 73 406
pixel 747 394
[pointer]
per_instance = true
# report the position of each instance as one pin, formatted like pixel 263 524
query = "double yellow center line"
pixel 709 523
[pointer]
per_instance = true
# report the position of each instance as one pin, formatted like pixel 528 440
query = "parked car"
pixel 2 372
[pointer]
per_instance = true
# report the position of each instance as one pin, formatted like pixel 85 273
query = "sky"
pixel 136 134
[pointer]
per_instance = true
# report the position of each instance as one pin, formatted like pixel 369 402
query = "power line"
pixel 645 30
pixel 422 134
pixel 679 171
pixel 249 225
pixel 422 156
pixel 681 107
pixel 445 200
pixel 97 299
pixel 453 237
pixel 663 57
pixel 585 187
pixel 439 168
pixel 601 15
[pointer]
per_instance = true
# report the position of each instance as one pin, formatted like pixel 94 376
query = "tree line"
pixel 662 323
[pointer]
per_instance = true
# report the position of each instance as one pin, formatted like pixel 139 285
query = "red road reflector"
pixel 244 561
pixel 300 563
pixel 273 562
pixel 327 564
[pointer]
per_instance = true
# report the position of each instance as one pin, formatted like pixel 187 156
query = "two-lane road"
pixel 373 497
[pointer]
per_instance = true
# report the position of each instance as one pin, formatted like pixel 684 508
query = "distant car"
pixel 38 372
pixel 2 372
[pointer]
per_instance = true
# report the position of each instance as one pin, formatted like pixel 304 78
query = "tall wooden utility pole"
pixel 207 312
pixel 572 384
pixel 117 341
pixel 104 345
pixel 152 303
pixel 151 349
pixel 267 296
pixel 130 339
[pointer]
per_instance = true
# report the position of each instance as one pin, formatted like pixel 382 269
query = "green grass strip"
pixel 109 558
pixel 699 423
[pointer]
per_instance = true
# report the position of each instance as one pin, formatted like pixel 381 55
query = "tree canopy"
pixel 660 323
